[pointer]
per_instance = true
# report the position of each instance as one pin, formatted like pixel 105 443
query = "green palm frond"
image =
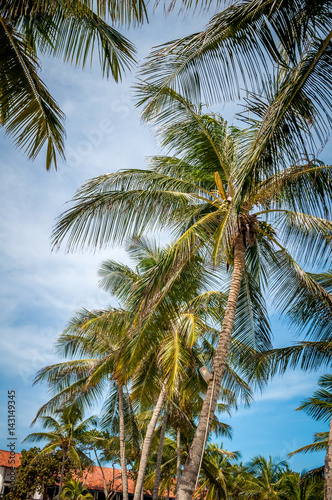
pixel 27 111
pixel 319 406
pixel 236 48
pixel 289 283
pixel 306 355
pixel 123 12
pixel 251 321
pixel 309 237
pixel 317 326
pixel 303 187
pixel 77 36
pixel 319 445
pixel 70 30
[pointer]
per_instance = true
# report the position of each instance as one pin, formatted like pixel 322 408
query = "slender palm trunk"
pixel 147 443
pixel 160 455
pixel 178 457
pixel 86 475
pixel 102 473
pixel 192 465
pixel 64 453
pixel 124 474
pixel 328 468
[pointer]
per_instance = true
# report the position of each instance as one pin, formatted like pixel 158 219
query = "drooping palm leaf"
pixel 27 110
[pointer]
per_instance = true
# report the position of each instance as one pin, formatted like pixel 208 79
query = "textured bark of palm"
pixel 160 456
pixel 124 475
pixel 328 468
pixel 147 443
pixel 178 457
pixel 102 473
pixel 191 467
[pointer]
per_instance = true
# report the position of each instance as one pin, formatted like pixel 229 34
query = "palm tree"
pixel 73 490
pixel 266 478
pixel 299 487
pixel 99 335
pixel 70 30
pixel 216 473
pixel 66 433
pixel 245 211
pixel 310 354
pixel 171 343
pixel 319 407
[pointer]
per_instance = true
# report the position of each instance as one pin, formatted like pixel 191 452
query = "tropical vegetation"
pixel 248 212
pixel 67 434
pixel 70 30
pixel 248 208
pixel 38 472
pixel 74 490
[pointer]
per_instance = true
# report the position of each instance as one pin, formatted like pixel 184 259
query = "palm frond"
pixel 27 111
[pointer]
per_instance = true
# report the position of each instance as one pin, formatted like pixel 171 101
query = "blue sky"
pixel 41 290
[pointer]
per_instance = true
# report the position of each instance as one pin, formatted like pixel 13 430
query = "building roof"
pixel 94 480
pixel 5 457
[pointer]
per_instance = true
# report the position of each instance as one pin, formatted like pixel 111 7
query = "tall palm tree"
pixel 173 345
pixel 66 433
pixel 100 336
pixel 251 213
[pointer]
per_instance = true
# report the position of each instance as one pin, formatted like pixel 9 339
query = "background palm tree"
pixel 178 340
pixel 217 473
pixel 266 478
pixel 309 354
pixel 74 490
pixel 301 487
pixel 319 407
pixel 67 433
pixel 245 210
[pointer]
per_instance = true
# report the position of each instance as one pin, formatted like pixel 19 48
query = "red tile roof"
pixel 5 458
pixel 94 481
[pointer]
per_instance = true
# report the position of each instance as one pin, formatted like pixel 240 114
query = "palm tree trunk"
pixel 328 468
pixel 192 465
pixel 102 473
pixel 86 475
pixel 160 455
pixel 64 453
pixel 124 473
pixel 147 443
pixel 178 458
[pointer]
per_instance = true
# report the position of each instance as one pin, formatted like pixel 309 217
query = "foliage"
pixel 222 196
pixel 38 472
pixel 70 30
pixel 67 433
pixel 74 490
pixel 256 46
